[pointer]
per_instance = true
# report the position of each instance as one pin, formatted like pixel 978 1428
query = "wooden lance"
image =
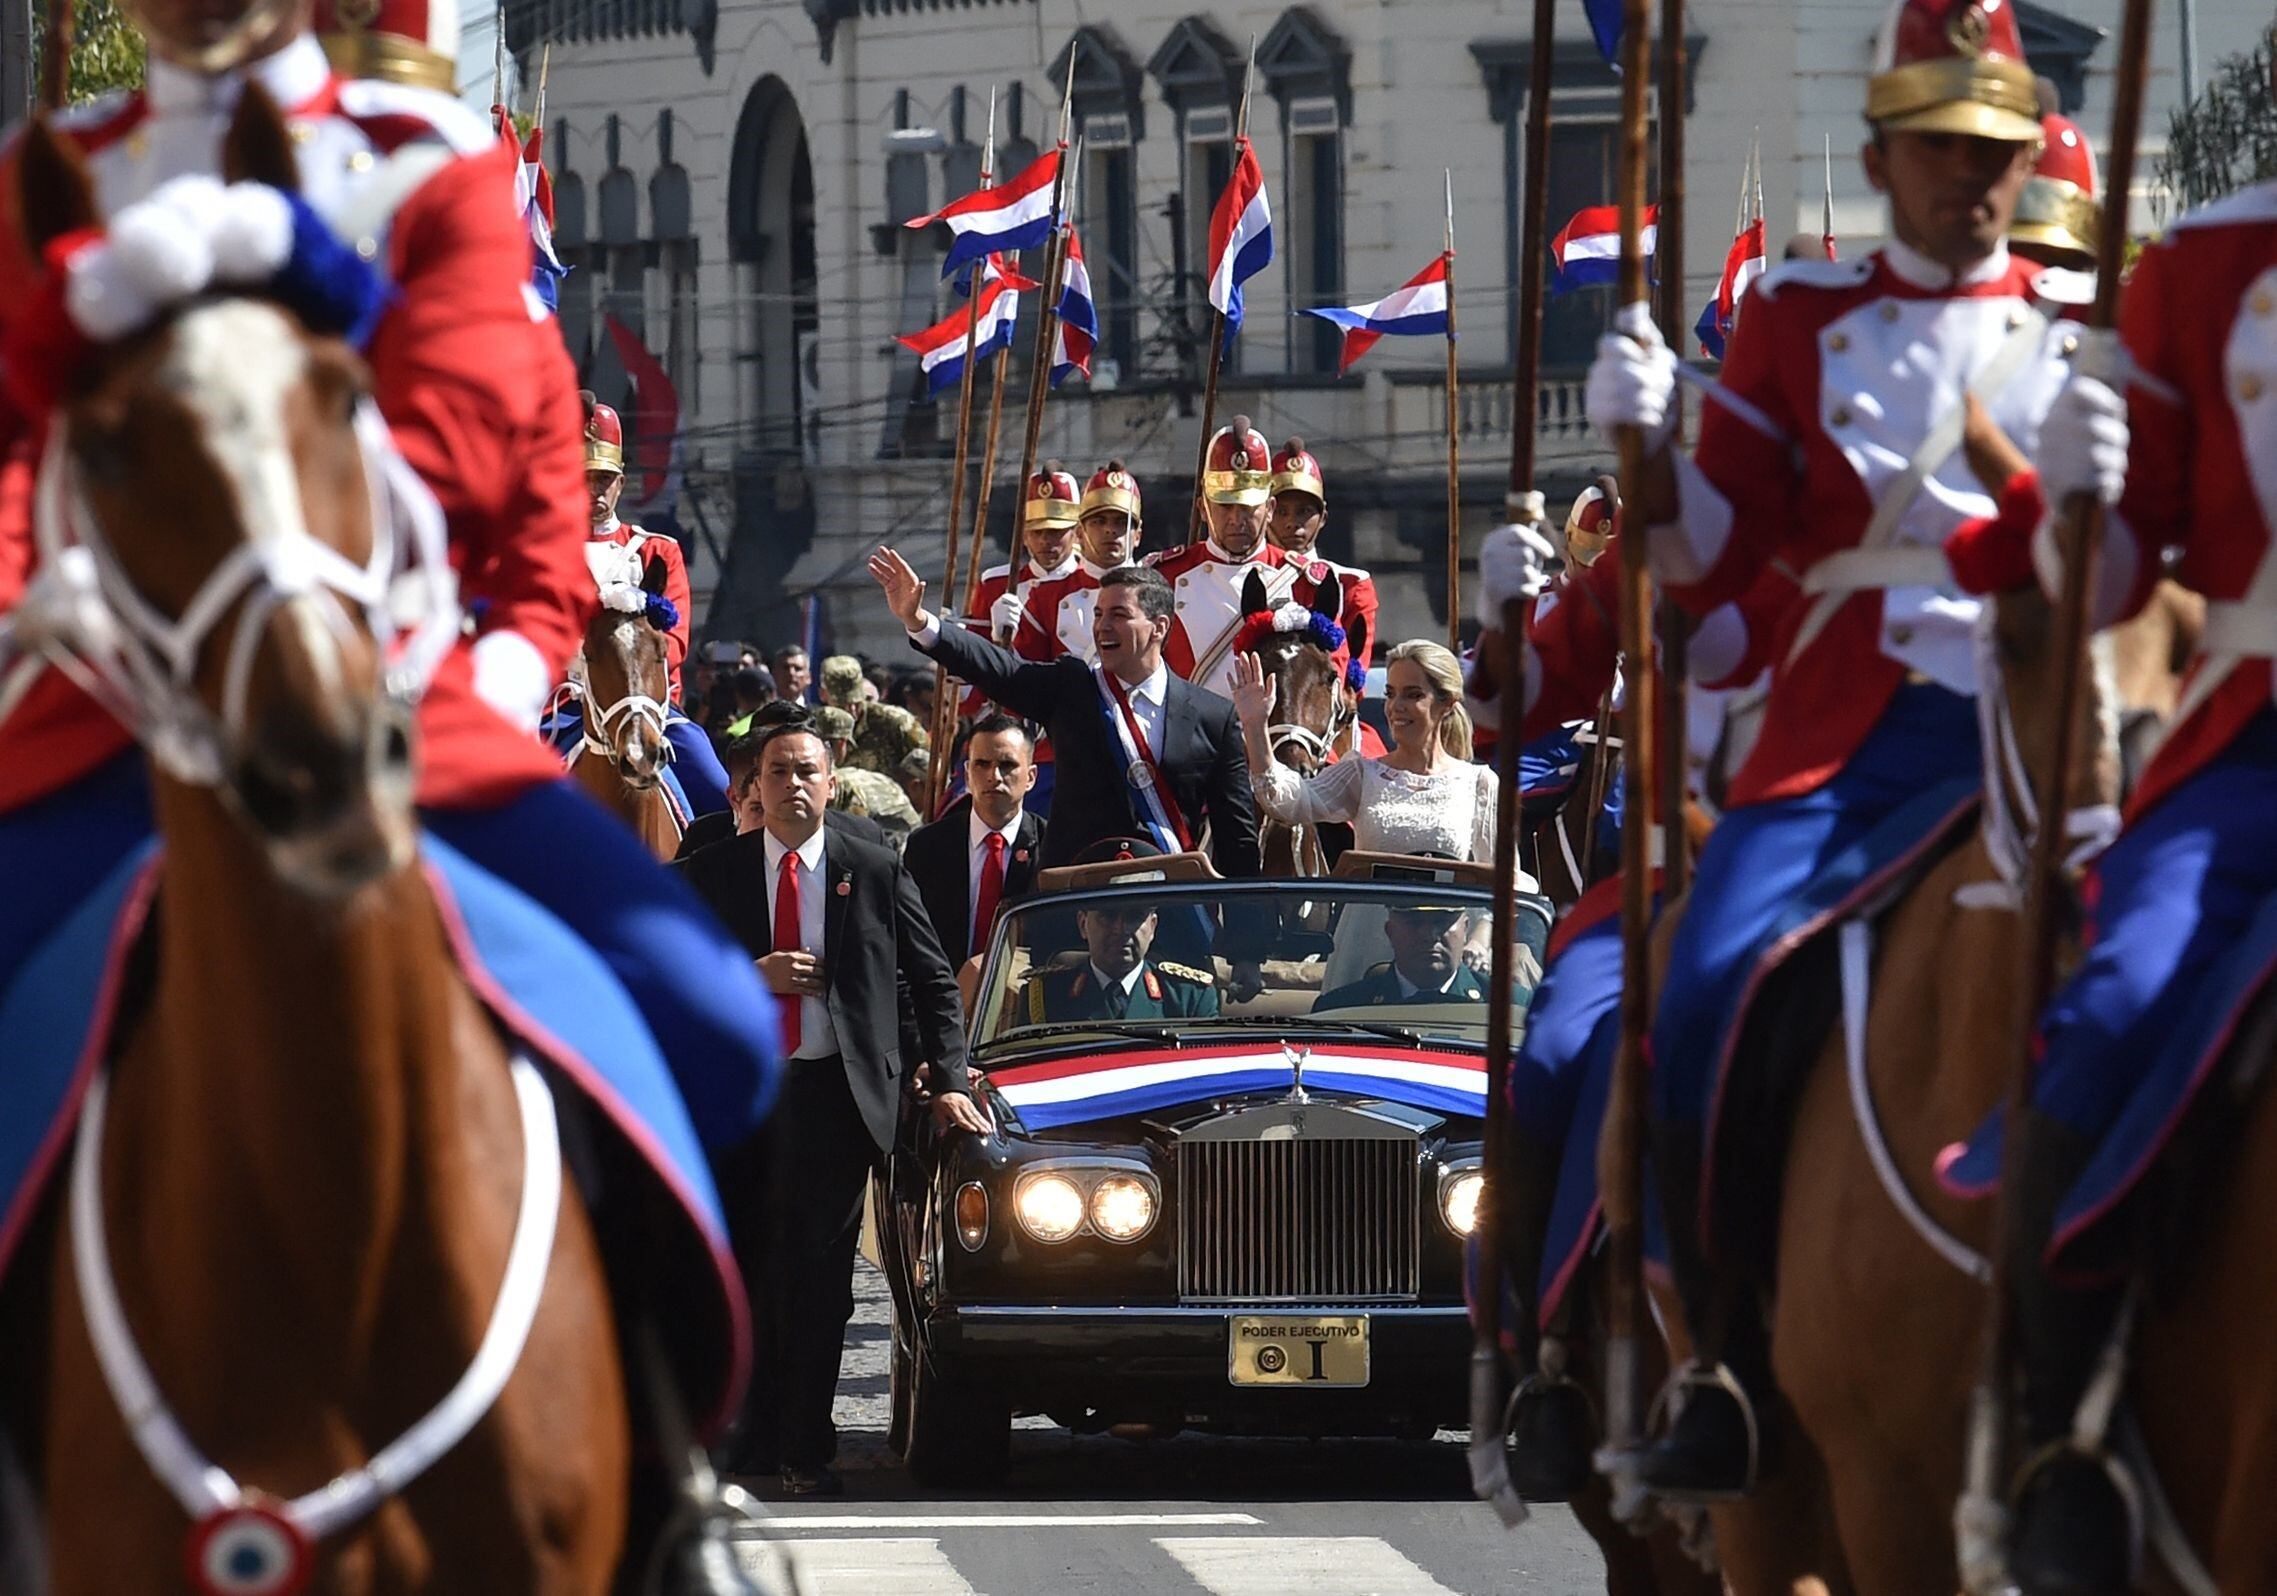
pixel 1621 1151
pixel 1198 527
pixel 1675 625
pixel 1047 320
pixel 1981 1518
pixel 937 760
pixel 1454 447
pixel 1490 1475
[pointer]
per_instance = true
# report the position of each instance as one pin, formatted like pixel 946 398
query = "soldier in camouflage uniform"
pixel 883 735
pixel 859 791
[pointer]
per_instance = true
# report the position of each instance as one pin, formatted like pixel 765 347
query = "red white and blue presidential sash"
pixel 1082 1090
pixel 1152 802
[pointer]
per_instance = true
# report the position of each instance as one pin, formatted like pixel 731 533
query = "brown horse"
pixel 310 1170
pixel 625 684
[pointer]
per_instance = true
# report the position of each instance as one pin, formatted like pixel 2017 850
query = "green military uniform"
pixel 1163 991
pixel 884 736
pixel 865 792
pixel 1381 985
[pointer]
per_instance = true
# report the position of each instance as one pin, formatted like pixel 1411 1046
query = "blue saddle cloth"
pixel 2162 1099
pixel 542 984
pixel 564 731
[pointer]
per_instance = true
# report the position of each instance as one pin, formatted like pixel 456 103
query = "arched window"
pixel 1307 68
pixel 572 244
pixel 1111 111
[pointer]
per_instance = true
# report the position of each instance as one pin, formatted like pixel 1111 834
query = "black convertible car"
pixel 1219 1195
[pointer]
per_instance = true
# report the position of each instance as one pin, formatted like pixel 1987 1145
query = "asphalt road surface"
pixel 1192 1514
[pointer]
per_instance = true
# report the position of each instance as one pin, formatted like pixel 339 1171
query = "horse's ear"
pixel 259 146
pixel 653 578
pixel 52 188
pixel 1253 601
pixel 1328 598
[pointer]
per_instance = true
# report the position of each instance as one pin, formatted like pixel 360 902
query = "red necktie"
pixel 991 892
pixel 787 941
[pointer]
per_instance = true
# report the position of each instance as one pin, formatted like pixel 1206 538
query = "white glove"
pixel 1513 563
pixel 1004 615
pixel 2083 443
pixel 510 676
pixel 1632 382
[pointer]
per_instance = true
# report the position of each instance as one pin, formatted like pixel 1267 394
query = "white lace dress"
pixel 1390 811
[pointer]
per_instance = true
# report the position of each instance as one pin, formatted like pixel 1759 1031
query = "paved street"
pixel 1091 1513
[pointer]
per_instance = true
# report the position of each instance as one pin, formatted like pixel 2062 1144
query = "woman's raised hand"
pixel 1253 691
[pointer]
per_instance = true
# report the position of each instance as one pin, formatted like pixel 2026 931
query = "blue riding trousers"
pixel 695 986
pixel 1581 987
pixel 1760 857
pixel 694 764
pixel 2164 902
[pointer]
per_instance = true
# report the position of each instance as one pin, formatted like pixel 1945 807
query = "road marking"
pixel 944 1521
pixel 865 1567
pixel 1319 1565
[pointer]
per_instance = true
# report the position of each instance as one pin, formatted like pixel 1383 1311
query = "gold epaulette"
pixel 1185 972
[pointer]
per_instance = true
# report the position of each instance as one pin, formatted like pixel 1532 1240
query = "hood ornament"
pixel 1298 1058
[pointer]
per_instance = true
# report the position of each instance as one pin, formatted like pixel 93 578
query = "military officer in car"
pixel 1118 981
pixel 1426 965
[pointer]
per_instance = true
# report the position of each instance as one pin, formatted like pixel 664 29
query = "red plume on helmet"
pixel 604 436
pixel 1052 499
pixel 1296 471
pixel 1239 467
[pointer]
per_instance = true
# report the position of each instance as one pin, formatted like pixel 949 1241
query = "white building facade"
pixel 730 176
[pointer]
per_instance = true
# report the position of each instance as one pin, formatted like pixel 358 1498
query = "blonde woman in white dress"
pixel 1425 796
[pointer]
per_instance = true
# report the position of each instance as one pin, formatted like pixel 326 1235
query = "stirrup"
pixel 2113 1468
pixel 1668 1407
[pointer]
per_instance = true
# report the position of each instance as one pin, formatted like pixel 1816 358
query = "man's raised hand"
pixel 904 588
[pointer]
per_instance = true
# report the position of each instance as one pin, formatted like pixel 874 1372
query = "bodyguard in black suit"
pixel 841 937
pixel 987 830
pixel 1193 735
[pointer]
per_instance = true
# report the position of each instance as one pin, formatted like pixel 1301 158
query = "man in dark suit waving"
pixel 1143 752
pixel 983 854
pixel 841 938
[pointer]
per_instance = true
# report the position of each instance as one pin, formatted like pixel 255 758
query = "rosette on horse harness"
pixel 82 613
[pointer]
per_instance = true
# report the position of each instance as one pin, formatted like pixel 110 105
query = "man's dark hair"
pixel 749 688
pixel 995 723
pixel 1154 596
pixel 764 737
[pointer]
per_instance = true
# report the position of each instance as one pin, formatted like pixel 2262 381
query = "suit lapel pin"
pixel 1019 856
pixel 845 888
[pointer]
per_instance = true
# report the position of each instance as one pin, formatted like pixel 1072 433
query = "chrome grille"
pixel 1325 1220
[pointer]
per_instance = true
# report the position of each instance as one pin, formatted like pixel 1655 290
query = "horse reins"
pixel 86 616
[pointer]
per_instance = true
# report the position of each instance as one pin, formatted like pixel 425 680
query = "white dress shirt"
pixel 1146 708
pixel 976 859
pixel 818 1038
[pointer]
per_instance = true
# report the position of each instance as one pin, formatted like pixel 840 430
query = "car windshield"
pixel 1162 961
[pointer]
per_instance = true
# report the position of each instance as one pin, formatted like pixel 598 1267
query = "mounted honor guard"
pixel 1300 513
pixel 1830 444
pixel 1232 573
pixel 1048 518
pixel 2172 424
pixel 470 441
pixel 695 765
pixel 2060 217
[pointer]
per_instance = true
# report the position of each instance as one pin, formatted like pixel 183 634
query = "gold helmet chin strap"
pixel 237 44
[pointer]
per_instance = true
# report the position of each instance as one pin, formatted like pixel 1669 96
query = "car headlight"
pixel 1050 1207
pixel 972 1215
pixel 1122 1208
pixel 1459 1197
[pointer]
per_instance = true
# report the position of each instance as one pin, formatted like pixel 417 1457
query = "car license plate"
pixel 1318 1350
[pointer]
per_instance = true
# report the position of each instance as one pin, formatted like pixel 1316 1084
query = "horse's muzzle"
pixel 334 813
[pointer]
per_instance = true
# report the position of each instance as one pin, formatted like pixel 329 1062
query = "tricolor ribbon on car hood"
pixel 1079 1091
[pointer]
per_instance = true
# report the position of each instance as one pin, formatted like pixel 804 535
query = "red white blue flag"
pixel 941 348
pixel 533 199
pixel 1011 216
pixel 1588 249
pixel 1241 237
pixel 1078 316
pixel 1746 262
pixel 1417 309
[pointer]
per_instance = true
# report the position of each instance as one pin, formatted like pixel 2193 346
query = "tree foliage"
pixel 106 51
pixel 2227 137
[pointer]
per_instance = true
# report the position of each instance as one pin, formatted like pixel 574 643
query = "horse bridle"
pixel 598 734
pixel 1320 745
pixel 84 614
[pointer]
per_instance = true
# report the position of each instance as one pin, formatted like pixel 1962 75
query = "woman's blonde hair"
pixel 1445 674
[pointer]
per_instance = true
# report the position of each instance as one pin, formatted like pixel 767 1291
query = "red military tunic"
pixel 1055 618
pixel 995 582
pixel 646 546
pixel 1210 590
pixel 477 391
pixel 1837 373
pixel 2200 321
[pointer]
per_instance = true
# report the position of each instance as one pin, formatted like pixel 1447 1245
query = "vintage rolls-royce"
pixel 1236 1155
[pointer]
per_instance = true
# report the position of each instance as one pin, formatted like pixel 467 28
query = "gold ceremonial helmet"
pixel 1590 525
